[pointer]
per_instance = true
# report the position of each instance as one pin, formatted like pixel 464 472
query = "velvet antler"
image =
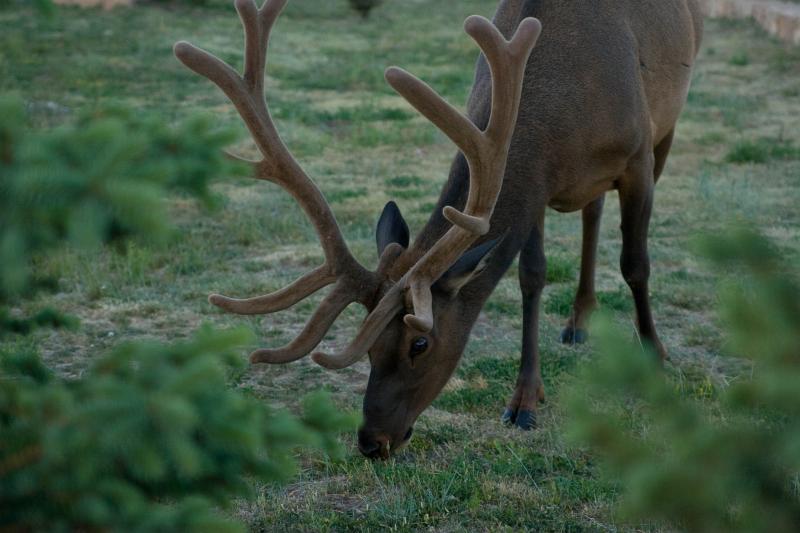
pixel 353 282
pixel 485 151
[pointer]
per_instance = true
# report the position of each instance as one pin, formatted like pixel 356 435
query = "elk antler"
pixel 353 282
pixel 486 152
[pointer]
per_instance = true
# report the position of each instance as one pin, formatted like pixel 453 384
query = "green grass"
pixel 762 150
pixel 739 59
pixel 559 300
pixel 364 146
pixel 561 269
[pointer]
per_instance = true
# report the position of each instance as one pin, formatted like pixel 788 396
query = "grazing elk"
pixel 593 109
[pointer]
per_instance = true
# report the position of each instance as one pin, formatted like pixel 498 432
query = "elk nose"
pixel 373 446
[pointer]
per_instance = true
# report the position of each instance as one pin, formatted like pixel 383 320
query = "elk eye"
pixel 418 346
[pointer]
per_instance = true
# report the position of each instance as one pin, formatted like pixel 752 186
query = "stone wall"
pixel 781 19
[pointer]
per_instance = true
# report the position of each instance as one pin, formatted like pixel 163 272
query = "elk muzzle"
pixel 379 445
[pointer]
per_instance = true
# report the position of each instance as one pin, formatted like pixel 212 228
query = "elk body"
pixel 592 109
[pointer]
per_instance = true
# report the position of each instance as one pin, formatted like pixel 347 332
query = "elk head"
pixel 414 333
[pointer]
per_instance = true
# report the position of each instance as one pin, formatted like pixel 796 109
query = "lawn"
pixel 736 159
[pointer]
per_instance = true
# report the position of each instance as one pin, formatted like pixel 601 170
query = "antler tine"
pixel 370 330
pixel 279 300
pixel 257 26
pixel 507 61
pixel 486 157
pixel 501 55
pixel 312 334
pixel 246 92
pixel 504 58
pixel 374 324
pixel 427 101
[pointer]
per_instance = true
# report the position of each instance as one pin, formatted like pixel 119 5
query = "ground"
pixel 736 158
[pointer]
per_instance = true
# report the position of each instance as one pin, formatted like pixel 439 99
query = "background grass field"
pixel 736 158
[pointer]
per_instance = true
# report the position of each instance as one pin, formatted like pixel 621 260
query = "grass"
pixel 739 59
pixel 762 150
pixel 561 269
pixel 559 300
pixel 364 146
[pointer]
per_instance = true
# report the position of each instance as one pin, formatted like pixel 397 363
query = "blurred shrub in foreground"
pixel 105 177
pixel 730 466
pixel 151 438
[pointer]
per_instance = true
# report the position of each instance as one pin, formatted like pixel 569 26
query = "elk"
pixel 593 109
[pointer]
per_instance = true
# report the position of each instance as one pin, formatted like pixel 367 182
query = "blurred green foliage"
pixel 734 466
pixel 762 150
pixel 152 438
pixel 102 178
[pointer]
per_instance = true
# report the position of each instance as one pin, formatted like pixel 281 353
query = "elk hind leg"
pixel 575 330
pixel 636 190
pixel 661 152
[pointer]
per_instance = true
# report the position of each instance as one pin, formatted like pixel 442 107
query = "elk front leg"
pixel 636 204
pixel 575 330
pixel 529 390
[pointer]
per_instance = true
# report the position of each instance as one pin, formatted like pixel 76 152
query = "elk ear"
pixel 392 228
pixel 468 267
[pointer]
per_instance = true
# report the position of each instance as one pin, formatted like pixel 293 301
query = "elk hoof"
pixel 571 335
pixel 525 420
